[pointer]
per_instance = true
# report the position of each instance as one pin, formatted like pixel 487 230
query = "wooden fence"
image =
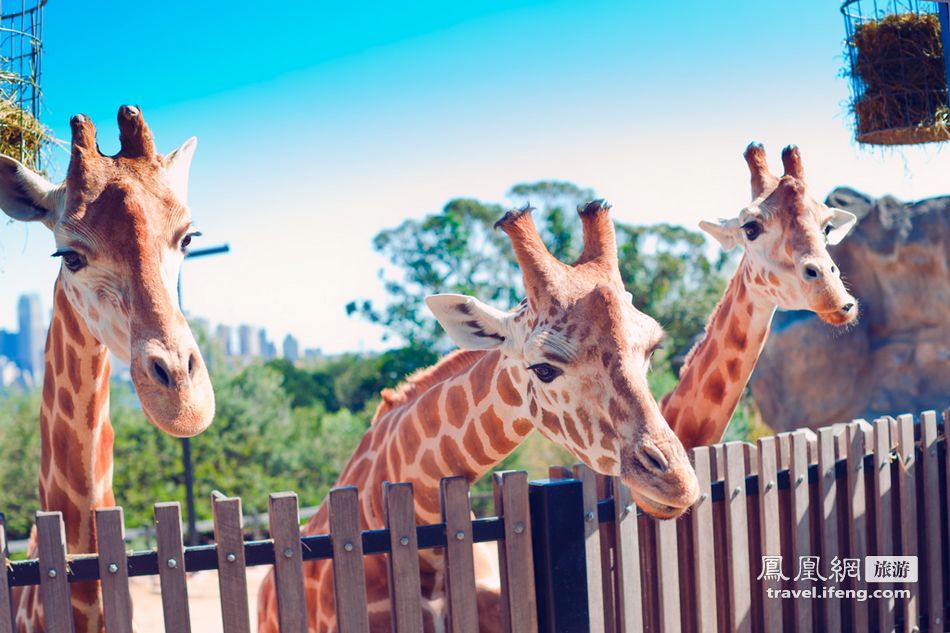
pixel 575 553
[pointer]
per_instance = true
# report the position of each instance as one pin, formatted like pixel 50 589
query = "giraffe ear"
pixel 841 224
pixel 725 232
pixel 178 166
pixel 25 195
pixel 470 323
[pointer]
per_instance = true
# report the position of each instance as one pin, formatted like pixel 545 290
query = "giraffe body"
pixel 570 362
pixel 120 225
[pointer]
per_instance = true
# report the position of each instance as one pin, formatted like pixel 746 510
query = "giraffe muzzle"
pixel 173 385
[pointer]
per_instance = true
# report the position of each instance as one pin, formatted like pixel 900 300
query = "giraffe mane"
pixel 421 380
pixel 698 343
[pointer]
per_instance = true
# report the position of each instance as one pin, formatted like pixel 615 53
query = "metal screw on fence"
pixel 800 479
pixel 113 568
pixel 231 557
pixel 348 546
pixel 519 527
pixel 460 536
pixel 404 540
pixel 172 563
pixel 588 516
pixel 702 497
pixel 736 491
pixel 51 573
pixel 769 485
pixel 288 552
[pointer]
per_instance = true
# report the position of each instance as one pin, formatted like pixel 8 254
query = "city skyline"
pixel 22 350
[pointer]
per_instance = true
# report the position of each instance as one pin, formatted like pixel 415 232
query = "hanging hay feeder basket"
pixel 898 61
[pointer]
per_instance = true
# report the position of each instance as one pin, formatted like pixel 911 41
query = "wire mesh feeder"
pixel 22 136
pixel 898 54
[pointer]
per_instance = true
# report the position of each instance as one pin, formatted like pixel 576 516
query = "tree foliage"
pixel 667 268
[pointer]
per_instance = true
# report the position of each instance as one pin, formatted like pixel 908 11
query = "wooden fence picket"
pixel 702 546
pixel 595 585
pixel 284 519
pixel 906 504
pixel 113 570
pixel 403 560
pixel 54 586
pixel 931 560
pixel 459 561
pixel 799 529
pixel 516 559
pixel 737 536
pixel 883 514
pixel 349 577
pixel 629 597
pixel 857 519
pixel 171 567
pixel 232 579
pixel 830 607
pixel 608 550
pixel 769 536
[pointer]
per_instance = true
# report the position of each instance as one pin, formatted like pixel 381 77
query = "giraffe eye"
pixel 752 230
pixel 544 372
pixel 186 241
pixel 828 228
pixel 74 261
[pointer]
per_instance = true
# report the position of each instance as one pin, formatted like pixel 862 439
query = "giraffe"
pixel 786 264
pixel 121 227
pixel 570 361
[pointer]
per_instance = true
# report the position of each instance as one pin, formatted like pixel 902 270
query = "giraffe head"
pixel 584 350
pixel 785 232
pixel 121 227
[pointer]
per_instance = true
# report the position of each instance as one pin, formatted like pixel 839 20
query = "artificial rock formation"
pixel 896 358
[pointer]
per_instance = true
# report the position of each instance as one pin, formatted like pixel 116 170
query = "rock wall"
pixel 896 359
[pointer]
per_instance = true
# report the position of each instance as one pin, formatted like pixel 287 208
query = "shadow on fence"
pixel 575 554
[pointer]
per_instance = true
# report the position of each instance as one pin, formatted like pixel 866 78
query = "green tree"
pixel 666 268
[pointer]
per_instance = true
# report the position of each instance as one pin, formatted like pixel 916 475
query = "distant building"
pixel 222 334
pixel 8 345
pixel 313 354
pixel 267 349
pixel 30 338
pixel 291 348
pixel 248 342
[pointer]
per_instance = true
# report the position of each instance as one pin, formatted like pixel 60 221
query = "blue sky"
pixel 319 124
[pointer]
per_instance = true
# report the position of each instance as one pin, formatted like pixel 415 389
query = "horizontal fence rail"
pixel 575 553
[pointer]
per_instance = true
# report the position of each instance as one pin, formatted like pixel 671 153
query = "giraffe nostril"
pixel 160 373
pixel 846 308
pixel 192 364
pixel 654 460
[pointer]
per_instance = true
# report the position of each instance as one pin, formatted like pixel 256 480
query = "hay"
pixel 22 136
pixel 899 61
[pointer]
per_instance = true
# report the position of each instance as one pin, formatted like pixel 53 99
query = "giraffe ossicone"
pixel 570 361
pixel 121 225
pixel 784 233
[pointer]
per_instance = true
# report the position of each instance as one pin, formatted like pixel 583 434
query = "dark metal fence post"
pixel 560 563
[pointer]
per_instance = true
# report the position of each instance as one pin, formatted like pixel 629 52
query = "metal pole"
pixel 943 11
pixel 560 555
pixel 187 466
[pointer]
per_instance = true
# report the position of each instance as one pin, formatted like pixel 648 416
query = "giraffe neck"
pixel 462 423
pixel 76 449
pixel 717 369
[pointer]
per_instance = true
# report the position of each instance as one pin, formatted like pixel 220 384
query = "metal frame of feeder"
pixel 854 13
